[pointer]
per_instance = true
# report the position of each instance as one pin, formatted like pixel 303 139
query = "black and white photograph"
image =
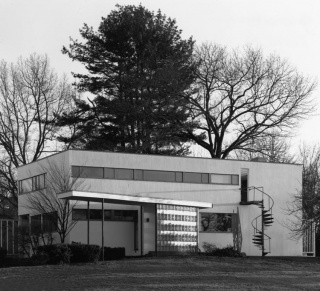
pixel 159 145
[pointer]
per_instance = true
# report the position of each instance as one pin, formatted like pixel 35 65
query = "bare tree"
pixel 243 96
pixel 274 148
pixel 304 207
pixel 30 96
pixel 45 201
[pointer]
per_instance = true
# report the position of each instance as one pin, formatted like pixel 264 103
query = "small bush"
pixel 213 250
pixel 209 248
pixel 114 253
pixel 40 258
pixel 57 253
pixel 3 255
pixel 82 253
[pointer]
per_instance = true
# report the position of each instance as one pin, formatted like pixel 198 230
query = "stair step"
pixel 252 202
pixel 267 215
pixel 268 222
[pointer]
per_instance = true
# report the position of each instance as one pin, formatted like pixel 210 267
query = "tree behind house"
pixel 304 208
pixel 243 97
pixel 30 97
pixel 139 71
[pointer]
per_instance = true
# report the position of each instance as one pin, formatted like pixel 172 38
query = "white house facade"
pixel 149 203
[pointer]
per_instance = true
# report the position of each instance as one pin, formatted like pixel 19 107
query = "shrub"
pixel 82 253
pixel 114 253
pixel 39 258
pixel 3 255
pixel 57 253
pixel 209 248
pixel 213 250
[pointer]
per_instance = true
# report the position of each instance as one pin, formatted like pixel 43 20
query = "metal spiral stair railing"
pixel 265 219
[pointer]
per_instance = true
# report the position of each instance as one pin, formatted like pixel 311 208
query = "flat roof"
pixel 167 156
pixel 128 199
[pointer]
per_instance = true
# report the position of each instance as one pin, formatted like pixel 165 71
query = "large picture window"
pixel 215 222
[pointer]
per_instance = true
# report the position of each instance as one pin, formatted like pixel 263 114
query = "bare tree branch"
pixel 244 96
pixel 30 98
pixel 58 180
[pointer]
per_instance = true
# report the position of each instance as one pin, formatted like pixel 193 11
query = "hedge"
pixel 114 253
pixel 82 253
pixel 3 255
pixel 56 254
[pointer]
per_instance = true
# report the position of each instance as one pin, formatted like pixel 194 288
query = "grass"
pixel 170 273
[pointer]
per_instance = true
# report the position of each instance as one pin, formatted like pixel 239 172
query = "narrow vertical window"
pixel 244 185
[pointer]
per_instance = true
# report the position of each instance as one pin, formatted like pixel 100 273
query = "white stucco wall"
pixel 149 229
pixel 280 181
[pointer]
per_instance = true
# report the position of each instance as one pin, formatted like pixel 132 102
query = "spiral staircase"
pixel 263 221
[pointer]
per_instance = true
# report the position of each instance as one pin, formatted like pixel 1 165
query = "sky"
pixel 288 28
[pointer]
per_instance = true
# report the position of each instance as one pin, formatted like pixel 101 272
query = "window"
pixel 244 185
pixel 32 184
pixel 215 222
pixel 91 172
pixel 38 182
pixel 124 174
pixel 108 173
pixel 178 176
pixel 36 224
pixel 138 175
pixel 125 215
pixel 192 177
pixel 205 178
pixel 87 172
pixel 164 176
pixel 111 215
pixel 79 214
pixel 154 175
pixel 235 180
pixel 24 220
pixel 49 222
pixel 95 214
pixel 107 215
pixel 225 179
pixel 75 171
pixel 26 185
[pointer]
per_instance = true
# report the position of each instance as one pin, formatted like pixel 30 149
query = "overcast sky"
pixel 289 28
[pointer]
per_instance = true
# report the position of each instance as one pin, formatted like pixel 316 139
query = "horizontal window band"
pixel 154 175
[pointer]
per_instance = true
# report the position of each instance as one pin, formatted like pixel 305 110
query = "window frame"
pixel 231 179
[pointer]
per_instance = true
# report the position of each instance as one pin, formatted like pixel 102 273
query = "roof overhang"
pixel 128 199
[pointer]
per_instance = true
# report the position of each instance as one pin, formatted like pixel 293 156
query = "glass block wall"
pixel 177 229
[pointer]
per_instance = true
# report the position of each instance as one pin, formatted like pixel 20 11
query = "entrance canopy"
pixel 127 199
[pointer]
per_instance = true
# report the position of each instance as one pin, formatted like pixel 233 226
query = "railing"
pixel 308 240
pixel 262 221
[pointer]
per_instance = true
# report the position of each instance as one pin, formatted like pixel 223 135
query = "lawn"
pixel 170 273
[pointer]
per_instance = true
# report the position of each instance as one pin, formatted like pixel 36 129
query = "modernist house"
pixel 149 203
